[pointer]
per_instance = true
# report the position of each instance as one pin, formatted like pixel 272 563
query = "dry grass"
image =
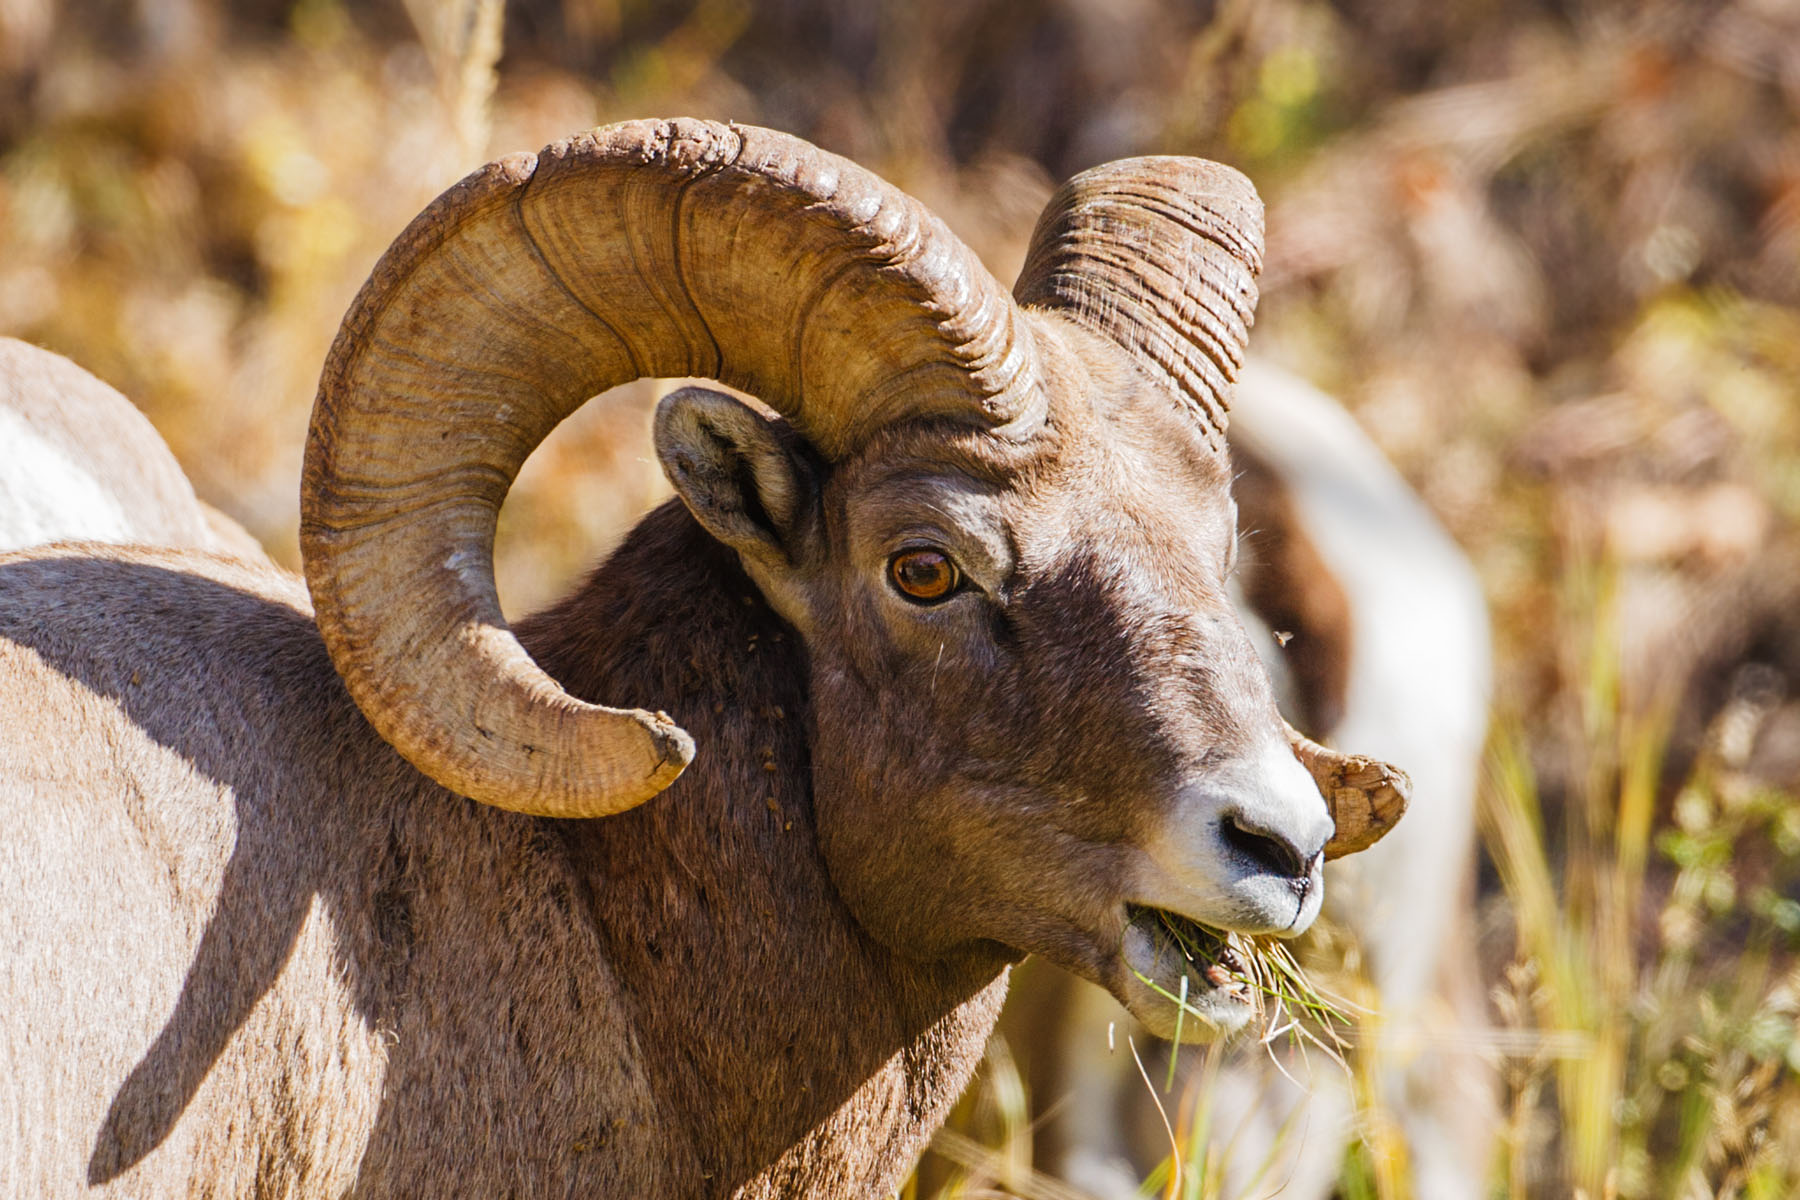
pixel 1665 943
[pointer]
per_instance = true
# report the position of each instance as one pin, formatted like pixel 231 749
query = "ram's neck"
pixel 799 1055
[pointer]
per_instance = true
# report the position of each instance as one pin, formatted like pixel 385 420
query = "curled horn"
pixel 1366 797
pixel 652 248
pixel 1160 255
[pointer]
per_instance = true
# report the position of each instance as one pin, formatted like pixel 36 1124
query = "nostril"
pixel 1270 851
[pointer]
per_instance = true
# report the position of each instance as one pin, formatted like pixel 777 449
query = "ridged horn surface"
pixel 652 248
pixel 1365 796
pixel 1159 254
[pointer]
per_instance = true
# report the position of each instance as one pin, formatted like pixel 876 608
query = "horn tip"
pixel 674 747
pixel 663 753
pixel 1368 801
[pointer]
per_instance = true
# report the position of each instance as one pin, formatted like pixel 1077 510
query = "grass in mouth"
pixel 1289 1006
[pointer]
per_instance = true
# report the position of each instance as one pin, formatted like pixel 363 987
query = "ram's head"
pixel 1002 525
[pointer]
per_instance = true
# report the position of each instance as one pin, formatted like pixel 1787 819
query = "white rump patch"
pixel 46 496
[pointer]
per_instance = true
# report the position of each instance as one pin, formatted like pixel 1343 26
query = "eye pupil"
pixel 923 574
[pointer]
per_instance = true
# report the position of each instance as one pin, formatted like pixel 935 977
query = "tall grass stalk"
pixel 1676 1089
pixel 1581 938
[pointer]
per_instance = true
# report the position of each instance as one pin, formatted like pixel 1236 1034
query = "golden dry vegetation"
pixel 1548 251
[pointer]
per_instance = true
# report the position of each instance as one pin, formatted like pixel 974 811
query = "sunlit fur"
pixel 80 462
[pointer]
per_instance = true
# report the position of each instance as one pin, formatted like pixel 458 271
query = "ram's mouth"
pixel 1185 981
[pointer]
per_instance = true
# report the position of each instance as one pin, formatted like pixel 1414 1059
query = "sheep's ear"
pixel 731 467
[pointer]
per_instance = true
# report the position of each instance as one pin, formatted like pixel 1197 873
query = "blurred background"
pixel 1546 251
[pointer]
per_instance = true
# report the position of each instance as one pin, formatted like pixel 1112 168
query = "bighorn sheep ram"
pixel 1391 654
pixel 303 906
pixel 81 463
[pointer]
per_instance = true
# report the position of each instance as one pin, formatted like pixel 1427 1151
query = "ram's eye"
pixel 924 576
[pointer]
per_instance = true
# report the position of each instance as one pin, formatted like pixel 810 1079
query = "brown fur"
pixel 1291 590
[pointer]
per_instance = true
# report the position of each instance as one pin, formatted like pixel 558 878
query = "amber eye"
pixel 926 576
